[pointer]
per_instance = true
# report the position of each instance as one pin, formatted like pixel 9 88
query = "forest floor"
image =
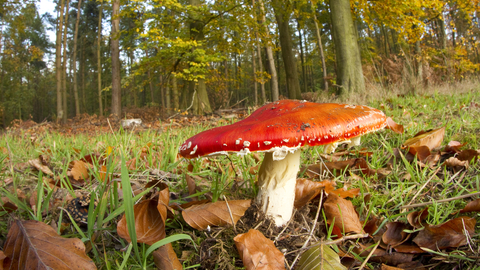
pixel 399 201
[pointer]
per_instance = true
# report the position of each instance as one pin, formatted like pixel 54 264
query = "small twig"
pixel 111 129
pixel 424 185
pixel 440 201
pixel 237 103
pixel 312 230
pixel 332 242
pixel 369 255
pixel 230 212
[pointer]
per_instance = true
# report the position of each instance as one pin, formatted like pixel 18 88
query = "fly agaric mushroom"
pixel 280 129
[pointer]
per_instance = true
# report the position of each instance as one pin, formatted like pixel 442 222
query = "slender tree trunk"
pixel 271 60
pixel 99 59
pixel 320 48
pixel 75 38
pixel 259 57
pixel 168 102
pixel 58 62
pixel 64 65
pixel 282 14
pixel 201 103
pixel 302 56
pixel 116 86
pixel 82 70
pixel 442 34
pixel 418 60
pixel 349 64
pixel 162 90
pixel 176 103
pixel 255 85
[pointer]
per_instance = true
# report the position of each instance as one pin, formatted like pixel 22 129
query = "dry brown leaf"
pixel 468 155
pixel 35 245
pixel 306 190
pixel 342 214
pixel 409 248
pixel 165 258
pixel 386 267
pixel 192 187
pixel 473 206
pixel 7 205
pixel 214 214
pixel 417 218
pixel 345 193
pixel 257 252
pixel 456 164
pixel 2 257
pixel 454 146
pixel 37 164
pixel 394 126
pixel 431 139
pixel 448 234
pixel 79 170
pixel 395 235
pixel 149 226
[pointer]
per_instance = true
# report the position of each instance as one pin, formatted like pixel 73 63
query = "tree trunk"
pixel 442 34
pixel 58 62
pixel 64 65
pixel 116 86
pixel 349 64
pixel 201 103
pixel 75 38
pixel 176 103
pixel 302 56
pixel 271 61
pixel 255 85
pixel 320 48
pixel 99 59
pixel 282 14
pixel 259 57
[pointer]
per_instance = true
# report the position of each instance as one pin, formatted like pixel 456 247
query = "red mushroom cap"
pixel 286 124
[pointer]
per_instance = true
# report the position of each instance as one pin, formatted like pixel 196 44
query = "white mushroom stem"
pixel 276 180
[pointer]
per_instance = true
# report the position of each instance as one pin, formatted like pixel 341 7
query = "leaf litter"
pixel 393 243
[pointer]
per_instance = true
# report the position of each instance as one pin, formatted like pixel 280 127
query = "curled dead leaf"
pixel 35 245
pixel 200 216
pixel 393 126
pixel 342 214
pixel 258 252
pixel 449 234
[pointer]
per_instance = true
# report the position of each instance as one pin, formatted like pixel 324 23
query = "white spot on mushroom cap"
pixel 194 150
pixel 189 144
pixel 286 140
pixel 267 142
pixel 246 143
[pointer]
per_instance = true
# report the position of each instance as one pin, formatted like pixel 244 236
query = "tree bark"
pixel 176 103
pixel 302 57
pixel 349 64
pixel 271 60
pixel 255 85
pixel 259 57
pixel 116 86
pixel 75 38
pixel 64 64
pixel 58 62
pixel 320 48
pixel 201 103
pixel 99 59
pixel 282 14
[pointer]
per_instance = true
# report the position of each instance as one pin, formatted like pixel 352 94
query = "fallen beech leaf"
pixel 473 206
pixel 448 234
pixel 149 225
pixel 394 258
pixel 257 252
pixel 409 248
pixel 214 214
pixel 37 164
pixel 386 267
pixel 456 164
pixel 422 152
pixel 417 218
pixel 192 187
pixel 342 213
pixel 35 245
pixel 320 258
pixel 306 190
pixel 79 170
pixel 371 225
pixel 454 146
pixel 345 193
pixel 467 155
pixel 431 139
pixel 7 205
pixel 394 126
pixel 2 257
pixel 394 235
pixel 166 259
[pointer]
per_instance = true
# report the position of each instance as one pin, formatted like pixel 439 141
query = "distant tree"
pixel 116 80
pixel 349 64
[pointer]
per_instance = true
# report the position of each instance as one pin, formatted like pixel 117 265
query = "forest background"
pixel 171 55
